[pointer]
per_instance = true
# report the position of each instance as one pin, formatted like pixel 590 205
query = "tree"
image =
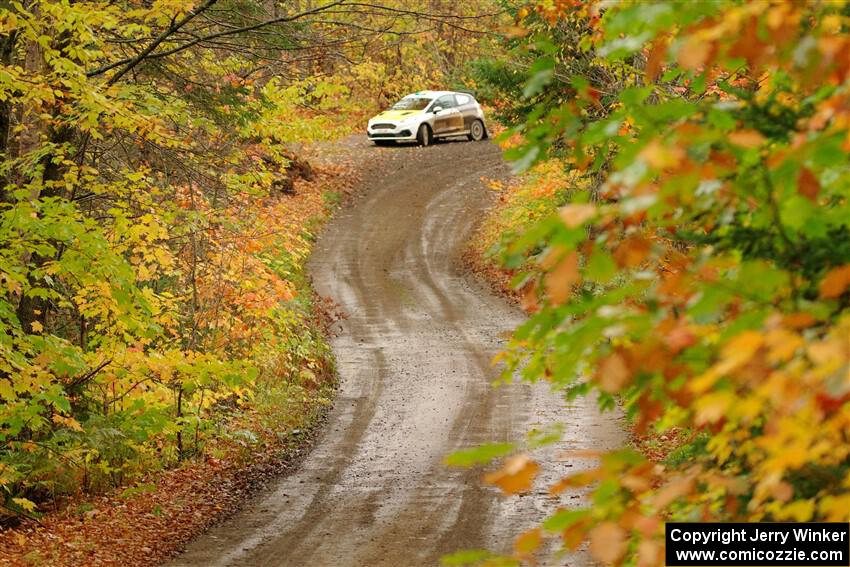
pixel 698 274
pixel 149 262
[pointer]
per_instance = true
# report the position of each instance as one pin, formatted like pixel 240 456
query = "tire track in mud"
pixel 414 361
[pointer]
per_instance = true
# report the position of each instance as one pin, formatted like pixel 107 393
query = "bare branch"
pixel 147 53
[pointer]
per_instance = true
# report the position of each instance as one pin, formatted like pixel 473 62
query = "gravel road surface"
pixel 414 357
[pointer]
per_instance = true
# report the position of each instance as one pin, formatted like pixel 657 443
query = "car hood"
pixel 396 115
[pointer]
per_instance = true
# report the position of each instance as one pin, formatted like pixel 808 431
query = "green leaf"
pixel 467 557
pixel 562 519
pixel 479 455
pixel 542 72
pixel 600 266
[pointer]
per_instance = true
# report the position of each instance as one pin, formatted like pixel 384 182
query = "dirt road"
pixel 414 361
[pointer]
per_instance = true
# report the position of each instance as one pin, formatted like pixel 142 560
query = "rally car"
pixel 426 115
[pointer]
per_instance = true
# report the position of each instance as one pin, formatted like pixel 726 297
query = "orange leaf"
pixel 560 280
pixel 575 481
pixel 680 338
pixel 515 476
pixel 632 251
pixel 607 542
pixel 782 345
pixel 613 373
pixel 528 299
pixel 739 350
pixel 835 282
pixel 747 138
pixel 659 156
pixel 749 46
pixel 573 536
pixel 527 543
pixel 576 214
pixel 807 184
pixel 799 320
pixel 672 492
pixel 655 59
pixel 649 553
pixel 694 53
pixel 515 31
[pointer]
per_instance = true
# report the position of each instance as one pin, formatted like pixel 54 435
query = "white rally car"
pixel 427 115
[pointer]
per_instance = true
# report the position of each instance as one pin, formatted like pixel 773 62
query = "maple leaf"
pixel 808 185
pixel 528 542
pixel 835 282
pixel 747 138
pixel 575 215
pixel 560 279
pixel 515 476
pixel 612 373
pixel 607 542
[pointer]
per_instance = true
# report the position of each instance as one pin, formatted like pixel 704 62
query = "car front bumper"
pixel 404 133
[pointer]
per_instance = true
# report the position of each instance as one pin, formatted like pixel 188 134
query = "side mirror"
pixel 437 109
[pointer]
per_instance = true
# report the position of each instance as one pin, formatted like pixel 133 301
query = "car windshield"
pixel 411 103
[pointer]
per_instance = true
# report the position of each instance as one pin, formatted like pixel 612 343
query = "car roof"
pixel 433 94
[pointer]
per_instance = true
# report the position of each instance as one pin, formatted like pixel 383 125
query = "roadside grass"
pixel 521 203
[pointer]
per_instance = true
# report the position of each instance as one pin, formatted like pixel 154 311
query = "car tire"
pixel 383 142
pixel 424 135
pixel 477 131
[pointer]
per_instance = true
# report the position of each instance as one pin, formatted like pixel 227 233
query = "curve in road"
pixel 416 384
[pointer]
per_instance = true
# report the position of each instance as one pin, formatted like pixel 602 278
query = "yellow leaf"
pixel 36 327
pixel 799 511
pixel 68 422
pixel 739 350
pixel 515 476
pixel 782 344
pixel 711 407
pixel 27 505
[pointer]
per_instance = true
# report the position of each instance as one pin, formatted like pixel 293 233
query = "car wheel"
pixel 476 131
pixel 383 142
pixel 424 136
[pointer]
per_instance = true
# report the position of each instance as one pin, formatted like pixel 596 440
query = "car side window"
pixel 446 101
pixel 462 99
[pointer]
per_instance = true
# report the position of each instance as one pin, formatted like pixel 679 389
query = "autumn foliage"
pixel 696 272
pixel 152 289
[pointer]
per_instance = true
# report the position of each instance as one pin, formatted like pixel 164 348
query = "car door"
pixel 448 119
pixel 467 109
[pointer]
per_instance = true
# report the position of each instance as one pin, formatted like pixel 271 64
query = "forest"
pixel 676 228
